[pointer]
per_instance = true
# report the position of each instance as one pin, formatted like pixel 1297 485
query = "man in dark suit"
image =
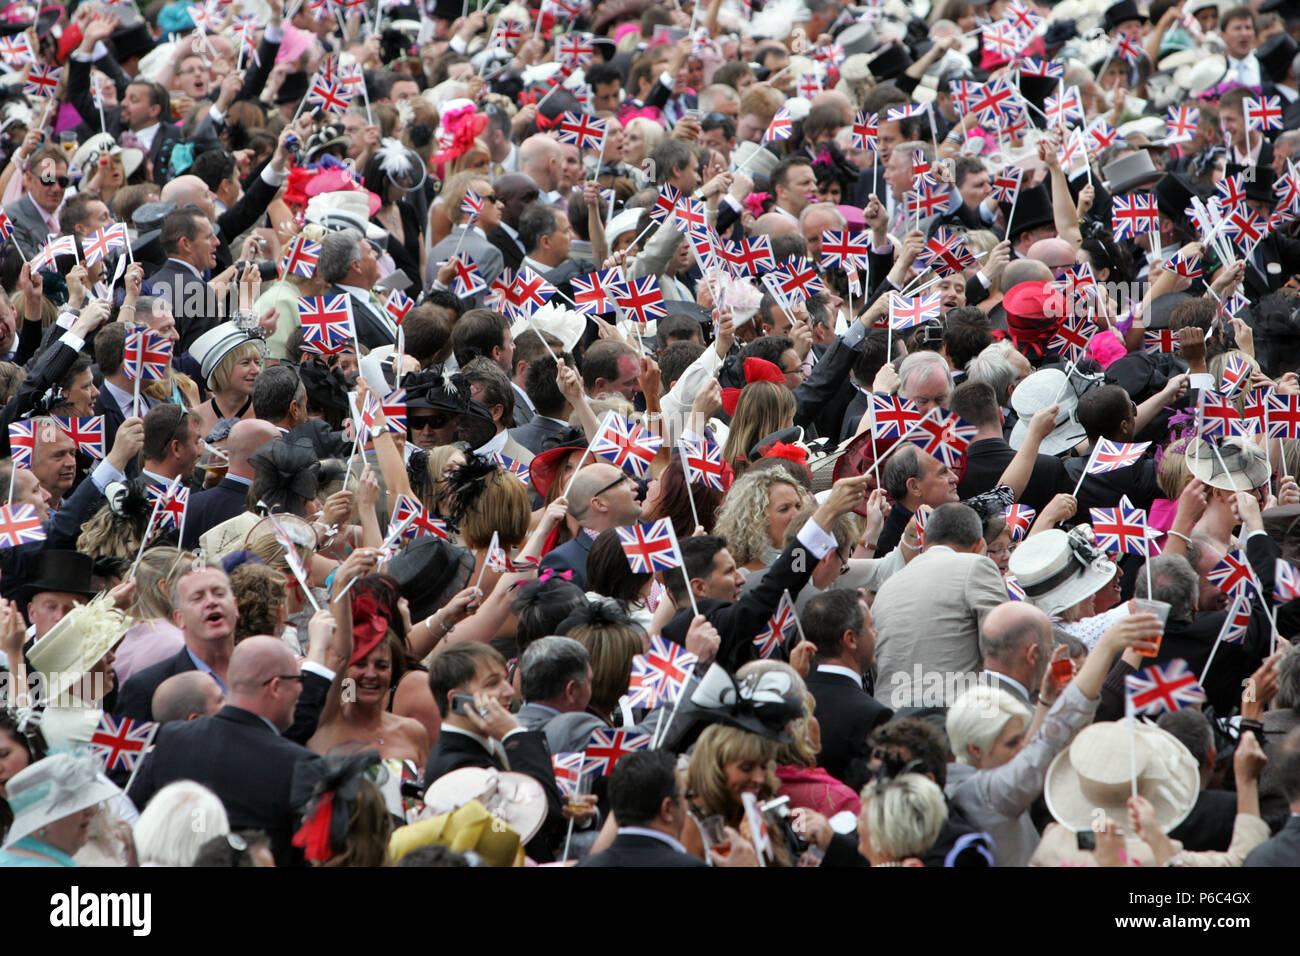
pixel 190 242
pixel 551 409
pixel 1016 646
pixel 547 236
pixel 648 805
pixel 602 497
pixel 554 679
pixel 239 753
pixel 515 192
pixel 1284 848
pixel 473 692
pixel 229 497
pixel 838 622
pixel 1209 825
pixel 1108 412
pixel 348 264
pixel 989 454
pixel 206 613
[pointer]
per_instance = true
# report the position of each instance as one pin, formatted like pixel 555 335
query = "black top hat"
pixel 433 389
pixel 1259 184
pixel 292 89
pixel 1275 55
pixel 1121 12
pixel 1174 194
pixel 65 571
pixel 1033 209
pixel 890 62
pixel 133 40
pixel 429 571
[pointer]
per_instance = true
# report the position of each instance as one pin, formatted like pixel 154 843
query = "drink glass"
pixel 714 831
pixel 1161 610
pixel 1062 672
pixel 68 140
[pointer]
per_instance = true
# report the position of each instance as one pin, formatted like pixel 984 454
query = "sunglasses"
pixel 297 677
pixel 612 484
pixel 416 422
pixel 61 181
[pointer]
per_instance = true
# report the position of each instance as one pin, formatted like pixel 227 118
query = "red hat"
pixel 1033 313
pixel 369 626
pixel 756 370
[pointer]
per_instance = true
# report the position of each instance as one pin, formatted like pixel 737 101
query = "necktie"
pixel 129 140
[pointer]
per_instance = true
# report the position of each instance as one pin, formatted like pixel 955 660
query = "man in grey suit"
pixel 33 217
pixel 555 679
pixel 348 264
pixel 470 240
pixel 1016 641
pixel 951 586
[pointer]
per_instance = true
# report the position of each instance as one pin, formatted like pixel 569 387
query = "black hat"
pixel 1259 184
pixel 1059 32
pixel 132 41
pixel 1121 12
pixel 292 89
pixel 1033 209
pixel 66 571
pixel 1275 56
pixel 1174 193
pixel 434 388
pixel 889 62
pixel 429 571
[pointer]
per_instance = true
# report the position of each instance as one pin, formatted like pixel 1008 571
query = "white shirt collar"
pixel 520 393
pixel 482 741
pixel 842 671
pixel 496 445
pixel 187 265
pixel 654 835
pixel 785 212
pixel 240 479
pixel 1013 682
pixel 541 268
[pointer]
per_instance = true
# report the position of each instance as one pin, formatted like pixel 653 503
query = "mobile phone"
pixel 462 704
pixel 1085 840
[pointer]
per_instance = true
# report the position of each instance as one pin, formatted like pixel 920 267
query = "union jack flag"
pixel 946 253
pixel 1127 49
pixel 832 53
pixel 169 507
pixel 16 50
pixel 1233 575
pixel 993 102
pixel 608 747
pixel 6 227
pixel 1236 376
pixel 120 744
pixel 1064 109
pixel 1186 267
pixel 530 292
pixel 300 258
pixel 780 128
pixel 146 355
pixel 702 462
pixel 1021 16
pixel 750 254
pixel 1101 134
pixel 1004 40
pixel 898 113
pixel 1070 340
pixel 1181 123
pixel 1255 409
pixel 22 443
pixel 500 296
pixel 1133 215
pixel 1006 184
pixel 20 525
pixel 643 300
pixel 660 674
pixel 1215 415
pixel 1237 622
pixel 575 50
pixel 506 33
pixel 468 280
pixel 103 241
pixel 690 213
pixel 397 304
pixel 1286 582
pixel 906 312
pixel 1047 69
pixel 1111 456
pixel 1072 153
pixel 1019 519
pixel 1281 416
pixel 865 132
pixel 650 546
pixel 945 436
pixel 1014 591
pixel 331 97
pixel 567 767
pixel 1231 191
pixel 62 246
pixel 1159 340
pixel 471 205
pixel 394 408
pixel 582 131
pixel 928 198
pixel 892 416
pixel 326 323
pixel 409 511
pixel 502 563
pixel 86 433
pixel 517 468
pixel 626 445
pixel 42 81
pixel 778 629
pixel 1158 690
pixel 797 278
pixel 594 294
pixel 1263 114
pixel 809 85
pixel 666 202
pixel 1122 529
pixel 1243 226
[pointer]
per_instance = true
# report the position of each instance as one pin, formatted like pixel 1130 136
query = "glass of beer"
pixel 68 140
pixel 1161 610
pixel 714 831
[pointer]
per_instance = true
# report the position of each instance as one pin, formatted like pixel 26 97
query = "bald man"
pixel 1016 642
pixel 542 160
pixel 187 696
pixel 238 753
pixel 775 224
pixel 1056 254
pixel 602 497
pixel 229 497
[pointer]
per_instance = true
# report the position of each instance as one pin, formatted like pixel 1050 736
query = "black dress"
pixel 406 254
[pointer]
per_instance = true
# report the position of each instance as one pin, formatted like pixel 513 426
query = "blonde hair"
pixel 157 571
pixel 978 718
pixel 454 190
pixel 718 746
pixel 611 648
pixel 763 408
pixel 651 132
pixel 219 380
pixel 903 815
pixel 742 519
pixel 502 508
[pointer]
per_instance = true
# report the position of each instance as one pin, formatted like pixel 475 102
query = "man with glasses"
pixel 602 497
pixel 466 239
pixel 35 216
pixel 240 753
pixel 516 192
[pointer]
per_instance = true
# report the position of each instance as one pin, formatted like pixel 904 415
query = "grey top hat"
pixel 1130 172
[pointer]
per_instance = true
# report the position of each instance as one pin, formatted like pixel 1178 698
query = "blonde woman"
pixel 763 408
pixel 153 637
pixel 726 763
pixel 640 137
pixel 231 385
pixel 901 818
pixel 753 518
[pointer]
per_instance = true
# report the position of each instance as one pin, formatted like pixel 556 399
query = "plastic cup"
pixel 714 831
pixel 1062 672
pixel 1161 610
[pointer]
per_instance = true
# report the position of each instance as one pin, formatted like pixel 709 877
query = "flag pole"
pixel 1091 455
pixel 1132 742
pixel 795 612
pixel 136 769
pixel 695 515
pixel 492 546
pixel 585 452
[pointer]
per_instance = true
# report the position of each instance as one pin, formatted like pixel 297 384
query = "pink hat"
pixel 853 217
pixel 293 45
pixel 1106 347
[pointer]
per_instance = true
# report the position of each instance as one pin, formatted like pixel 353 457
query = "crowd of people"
pixel 623 434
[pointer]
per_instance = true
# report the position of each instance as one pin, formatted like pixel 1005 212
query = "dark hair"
pixel 476 333
pixel 976 402
pixel 789 246
pixel 923 740
pixel 541 388
pixel 966 334
pixel 673 503
pixel 724 123
pixel 530 346
pixel 698 554
pixel 601 361
pixel 537 220
pixel 670 157
pixel 954 524
pixel 875 349
pixel 781 175
pixel 214 167
pixel 541 606
pixel 602 73
pixel 768 347
pixel 1193 731
pixel 456 664
pixel 110 344
pixel 675 359
pixel 677 327
pixel 79 365
pixel 426 330
pixel 548 664
pixel 608 572
pixel 163 425
pixel 222 851
pixel 821 119
pixel 496 385
pixel 729 74
pixel 75 211
pixel 827 616
pixel 1237 13
pixel 1288 765
pixel 639 785
pixel 275 391
pixel 433 854
pixel 180 224
pixel 899 468
pixel 1103 410
pixel 966 165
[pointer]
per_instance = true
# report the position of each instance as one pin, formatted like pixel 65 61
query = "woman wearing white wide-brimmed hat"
pixel 1061 573
pixel 53 801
